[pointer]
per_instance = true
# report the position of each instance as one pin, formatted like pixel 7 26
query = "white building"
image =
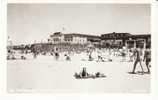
pixel 75 39
pixel 71 38
pixel 57 38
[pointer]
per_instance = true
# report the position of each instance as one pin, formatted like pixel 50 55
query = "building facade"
pixel 114 39
pixel 128 40
pixel 75 39
pixel 56 38
pixel 141 41
pixel 71 41
pixel 78 42
pixel 72 38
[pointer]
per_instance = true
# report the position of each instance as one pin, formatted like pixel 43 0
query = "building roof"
pixel 115 35
pixel 56 34
pixel 74 34
pixel 140 36
pixel 82 35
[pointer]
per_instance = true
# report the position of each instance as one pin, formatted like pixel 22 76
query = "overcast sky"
pixel 29 22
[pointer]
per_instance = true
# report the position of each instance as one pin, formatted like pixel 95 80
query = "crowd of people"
pixel 135 55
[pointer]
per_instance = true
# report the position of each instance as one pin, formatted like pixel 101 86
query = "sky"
pixel 27 23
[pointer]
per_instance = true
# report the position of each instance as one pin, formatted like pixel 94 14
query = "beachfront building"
pixel 118 40
pixel 71 41
pixel 72 38
pixel 141 40
pixel 78 42
pixel 114 39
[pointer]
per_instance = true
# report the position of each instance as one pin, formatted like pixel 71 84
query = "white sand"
pixel 44 74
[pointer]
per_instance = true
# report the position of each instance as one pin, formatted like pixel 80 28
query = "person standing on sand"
pixel 56 54
pixel 147 58
pixel 137 60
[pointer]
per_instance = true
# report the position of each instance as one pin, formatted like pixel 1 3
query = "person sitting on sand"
pixel 97 74
pixel 84 72
pixel 67 57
